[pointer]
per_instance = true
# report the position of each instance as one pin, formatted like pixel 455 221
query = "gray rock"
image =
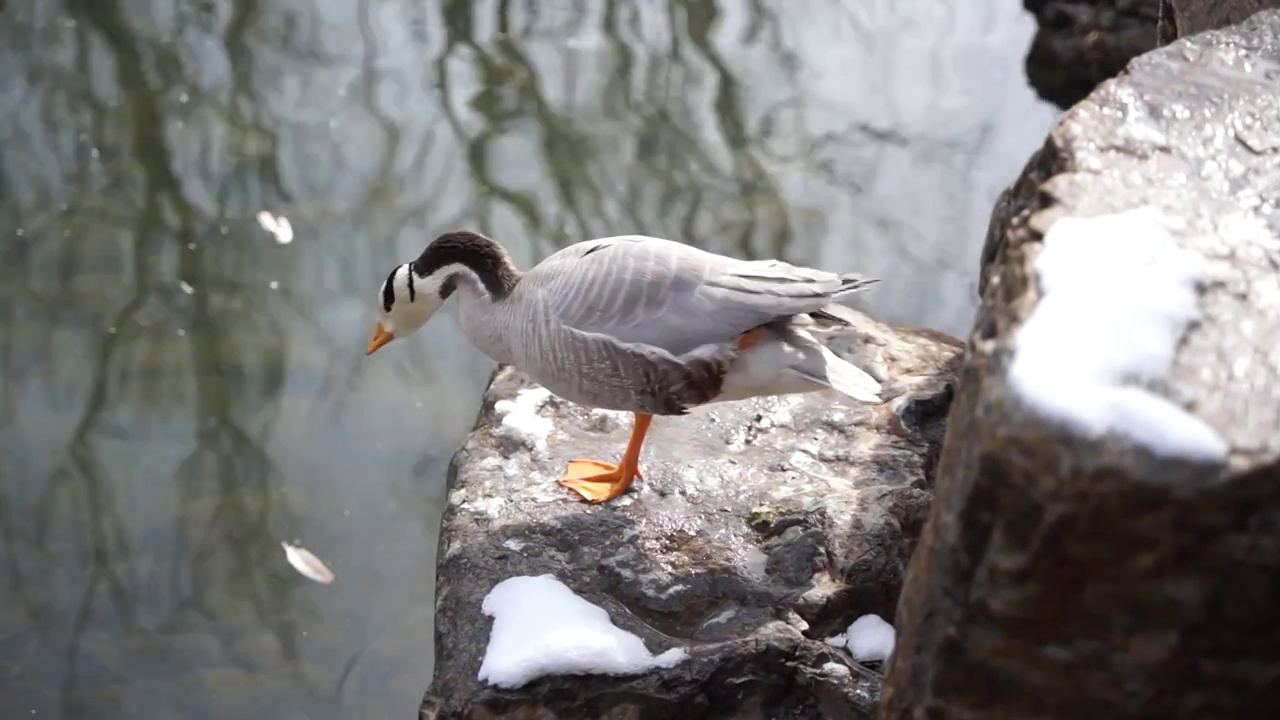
pixel 1183 18
pixel 1060 577
pixel 1080 43
pixel 760 528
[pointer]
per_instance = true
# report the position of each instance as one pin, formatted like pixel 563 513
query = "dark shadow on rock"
pixel 1080 43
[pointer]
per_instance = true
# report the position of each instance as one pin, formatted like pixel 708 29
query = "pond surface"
pixel 182 391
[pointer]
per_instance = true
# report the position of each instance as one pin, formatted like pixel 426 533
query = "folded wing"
pixel 667 295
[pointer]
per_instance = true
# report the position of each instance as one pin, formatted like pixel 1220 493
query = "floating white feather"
pixel 307 564
pixel 278 226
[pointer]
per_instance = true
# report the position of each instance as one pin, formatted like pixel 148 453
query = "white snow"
pixel 722 616
pixel 836 669
pixel 520 419
pixel 868 639
pixel 1117 295
pixel 490 506
pixel 541 627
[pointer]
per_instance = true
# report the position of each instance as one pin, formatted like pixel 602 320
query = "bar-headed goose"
pixel 634 323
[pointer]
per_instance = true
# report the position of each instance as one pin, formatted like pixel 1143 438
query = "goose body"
pixel 635 323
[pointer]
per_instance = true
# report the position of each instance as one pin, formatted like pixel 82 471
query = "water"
pixel 181 392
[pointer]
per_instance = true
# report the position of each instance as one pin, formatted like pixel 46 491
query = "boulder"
pixel 1080 43
pixel 1068 570
pixel 760 529
pixel 1183 18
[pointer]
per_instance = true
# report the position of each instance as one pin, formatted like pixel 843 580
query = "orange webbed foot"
pixel 596 481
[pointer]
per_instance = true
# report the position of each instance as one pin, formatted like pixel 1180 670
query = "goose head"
pixel 414 291
pixel 406 302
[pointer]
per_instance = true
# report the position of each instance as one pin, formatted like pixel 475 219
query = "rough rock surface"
pixel 760 529
pixel 1080 43
pixel 1063 578
pixel 1184 18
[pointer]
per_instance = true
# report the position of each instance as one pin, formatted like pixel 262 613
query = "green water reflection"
pixel 181 392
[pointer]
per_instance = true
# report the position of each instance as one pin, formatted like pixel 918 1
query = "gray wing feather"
pixel 649 291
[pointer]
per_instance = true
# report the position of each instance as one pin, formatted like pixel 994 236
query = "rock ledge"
pixel 761 528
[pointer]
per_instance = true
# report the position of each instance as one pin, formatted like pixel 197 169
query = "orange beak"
pixel 380 337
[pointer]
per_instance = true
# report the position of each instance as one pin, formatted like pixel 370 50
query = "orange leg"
pixel 750 337
pixel 599 482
